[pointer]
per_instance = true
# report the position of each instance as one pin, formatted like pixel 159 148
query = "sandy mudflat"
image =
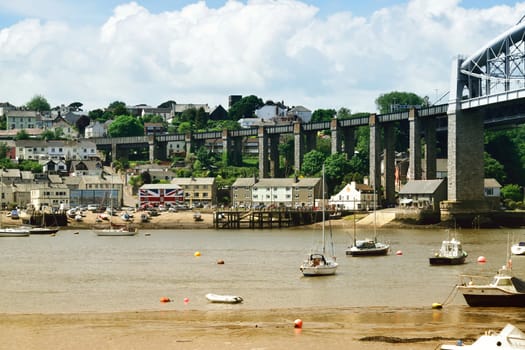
pixel 336 328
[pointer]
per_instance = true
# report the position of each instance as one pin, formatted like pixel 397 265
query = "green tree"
pixel 512 192
pixel 75 106
pixel 245 107
pixel 494 169
pixel 312 163
pixel 117 108
pixel 4 150
pixel 22 135
pixel 323 115
pixel 38 103
pixel 47 134
pixel 336 167
pixel 344 113
pixel 126 125
pixel 97 114
pixel 30 165
pixel 184 127
pixel 392 101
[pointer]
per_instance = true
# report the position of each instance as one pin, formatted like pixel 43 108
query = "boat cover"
pixel 518 284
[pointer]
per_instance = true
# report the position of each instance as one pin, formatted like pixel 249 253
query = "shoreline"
pixel 229 328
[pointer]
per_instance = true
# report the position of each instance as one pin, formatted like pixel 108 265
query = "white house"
pixel 353 197
pixel 95 130
pixel 301 112
pixel 270 111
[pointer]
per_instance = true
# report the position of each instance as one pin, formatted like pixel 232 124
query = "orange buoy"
pixel 399 252
pixel 165 300
pixel 481 259
pixel 220 262
pixel 298 323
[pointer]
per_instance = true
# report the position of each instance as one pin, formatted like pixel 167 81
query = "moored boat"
pixel 450 253
pixel 317 264
pixel 509 338
pixel 504 290
pixel 518 248
pixel 225 299
pixel 14 232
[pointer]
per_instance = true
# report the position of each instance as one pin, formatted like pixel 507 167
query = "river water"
pixel 77 271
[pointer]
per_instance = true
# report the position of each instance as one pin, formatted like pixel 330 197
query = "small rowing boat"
pixel 227 299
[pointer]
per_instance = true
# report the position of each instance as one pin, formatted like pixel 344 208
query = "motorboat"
pixel 450 253
pixel 518 248
pixel 225 299
pixel 116 231
pixel 503 290
pixel 317 264
pixel 509 338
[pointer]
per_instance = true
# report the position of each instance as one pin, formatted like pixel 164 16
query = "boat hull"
pixel 518 249
pixel 43 231
pixel 312 271
pixel 14 232
pixel 224 299
pixel 440 260
pixel 368 251
pixel 492 298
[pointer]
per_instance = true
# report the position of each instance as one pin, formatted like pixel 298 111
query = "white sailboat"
pixel 113 229
pixel 317 264
pixel 368 246
pixel 9 231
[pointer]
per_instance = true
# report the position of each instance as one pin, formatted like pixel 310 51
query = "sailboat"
pixel 10 231
pixel 112 229
pixel 317 264
pixel 368 247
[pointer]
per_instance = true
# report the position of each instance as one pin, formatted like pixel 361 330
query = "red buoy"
pixel 165 300
pixel 481 259
pixel 298 323
pixel 186 300
pixel 399 252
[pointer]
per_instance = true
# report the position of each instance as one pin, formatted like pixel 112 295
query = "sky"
pixel 311 53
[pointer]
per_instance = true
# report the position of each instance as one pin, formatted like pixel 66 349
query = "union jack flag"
pixel 161 195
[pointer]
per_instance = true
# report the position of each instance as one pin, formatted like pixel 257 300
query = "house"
pixel 276 192
pixel 492 189
pixel 423 194
pixel 153 128
pixel 353 197
pixel 95 129
pixel 160 194
pixel 198 191
pixel 54 197
pixel 85 167
pixel 301 113
pixel 23 119
pixel 55 149
pixel 69 131
pixel 218 113
pixel 50 166
pixel 271 110
pixel 106 190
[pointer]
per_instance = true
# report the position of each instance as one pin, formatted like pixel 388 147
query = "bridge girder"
pixel 497 66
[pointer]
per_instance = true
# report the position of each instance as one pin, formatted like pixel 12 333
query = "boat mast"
pixel 322 206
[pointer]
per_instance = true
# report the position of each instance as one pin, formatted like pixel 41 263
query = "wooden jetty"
pixel 265 218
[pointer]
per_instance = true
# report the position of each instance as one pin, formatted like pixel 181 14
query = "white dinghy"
pixel 227 299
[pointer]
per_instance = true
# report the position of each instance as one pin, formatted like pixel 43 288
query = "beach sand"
pixel 343 328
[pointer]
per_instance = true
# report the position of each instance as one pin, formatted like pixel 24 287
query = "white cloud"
pixel 277 50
